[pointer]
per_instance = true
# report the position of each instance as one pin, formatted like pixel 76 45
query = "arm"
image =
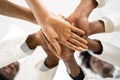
pixel 48 66
pixel 14 49
pixel 74 69
pixel 109 50
pixel 56 29
pixel 80 16
pixel 108 23
pixel 8 8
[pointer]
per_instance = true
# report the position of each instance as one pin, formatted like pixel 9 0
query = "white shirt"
pixel 110 41
pixel 12 49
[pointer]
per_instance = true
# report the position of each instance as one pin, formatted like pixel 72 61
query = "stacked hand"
pixel 59 30
pixel 80 16
pixel 56 29
pixel 51 52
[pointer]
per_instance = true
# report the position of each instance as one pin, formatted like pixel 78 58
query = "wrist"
pixel 51 62
pixel 33 40
pixel 31 17
pixel 86 7
pixel 94 45
pixel 39 10
pixel 44 19
pixel 96 27
pixel 72 67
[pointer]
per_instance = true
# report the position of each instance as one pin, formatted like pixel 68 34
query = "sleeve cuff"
pixel 109 25
pixel 40 66
pixel 26 49
pixel 101 3
pixel 111 22
pixel 44 68
pixel 101 48
pixel 80 76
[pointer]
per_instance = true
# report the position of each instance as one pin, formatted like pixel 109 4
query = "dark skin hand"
pixel 56 29
pixel 80 16
pixel 95 27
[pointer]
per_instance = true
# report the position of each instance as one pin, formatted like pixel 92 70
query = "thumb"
pixel 70 19
pixel 56 45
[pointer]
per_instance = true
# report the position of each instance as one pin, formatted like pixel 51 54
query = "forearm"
pixel 86 6
pixel 8 8
pixel 95 46
pixel 72 67
pixel 51 62
pixel 96 27
pixel 31 42
pixel 39 10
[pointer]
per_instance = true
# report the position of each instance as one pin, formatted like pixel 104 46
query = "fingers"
pixel 77 43
pixel 71 46
pixel 51 47
pixel 56 45
pixel 78 38
pixel 77 31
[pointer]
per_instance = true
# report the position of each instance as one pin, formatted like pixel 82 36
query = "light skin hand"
pixel 66 34
pixel 63 55
pixel 67 55
pixel 52 59
pixel 57 30
pixel 10 9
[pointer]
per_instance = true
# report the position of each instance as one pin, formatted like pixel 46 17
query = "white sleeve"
pixel 110 54
pixel 101 3
pixel 12 50
pixel 43 73
pixel 112 22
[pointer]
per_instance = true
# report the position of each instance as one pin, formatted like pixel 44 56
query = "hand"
pixel 80 16
pixel 65 53
pixel 80 22
pixel 57 29
pixel 51 60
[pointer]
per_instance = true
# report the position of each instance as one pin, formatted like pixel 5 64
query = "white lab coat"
pixel 10 48
pixel 111 40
